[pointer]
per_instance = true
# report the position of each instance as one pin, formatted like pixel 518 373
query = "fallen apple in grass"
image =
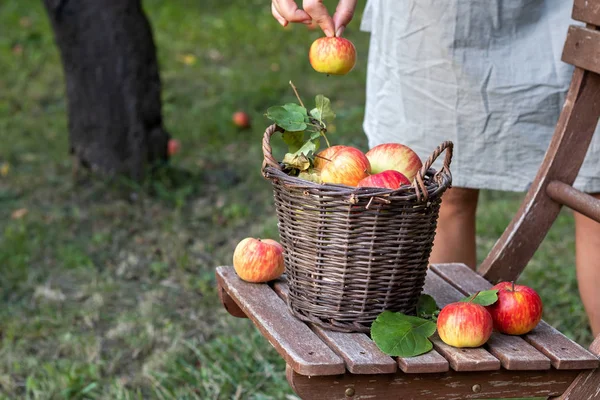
pixel 394 156
pixel 332 55
pixel 258 260
pixel 173 146
pixel 344 165
pixel 464 324
pixel 388 179
pixel 241 119
pixel 518 309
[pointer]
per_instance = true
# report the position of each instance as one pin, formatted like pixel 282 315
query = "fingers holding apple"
pixel 518 309
pixel 258 260
pixel 332 55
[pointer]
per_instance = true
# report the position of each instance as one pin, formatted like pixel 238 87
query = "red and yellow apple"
pixel 464 324
pixel 332 55
pixel 241 119
pixel 258 260
pixel 344 165
pixel 394 156
pixel 173 146
pixel 388 179
pixel 518 309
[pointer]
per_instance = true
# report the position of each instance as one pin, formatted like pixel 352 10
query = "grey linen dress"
pixel 485 74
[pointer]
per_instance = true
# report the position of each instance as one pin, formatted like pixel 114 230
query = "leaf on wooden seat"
pixel 402 335
pixel 484 298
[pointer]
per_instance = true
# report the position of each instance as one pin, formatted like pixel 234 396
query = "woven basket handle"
pixel 269 160
pixel 418 182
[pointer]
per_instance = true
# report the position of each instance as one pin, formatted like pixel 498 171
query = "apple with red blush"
pixel 395 156
pixel 518 309
pixel 258 260
pixel 343 165
pixel 389 179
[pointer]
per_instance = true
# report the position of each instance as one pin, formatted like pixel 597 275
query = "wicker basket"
pixel 351 253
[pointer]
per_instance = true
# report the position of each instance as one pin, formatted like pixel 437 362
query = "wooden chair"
pixel 322 364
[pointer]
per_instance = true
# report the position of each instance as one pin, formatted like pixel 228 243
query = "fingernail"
pixel 340 31
pixel 328 33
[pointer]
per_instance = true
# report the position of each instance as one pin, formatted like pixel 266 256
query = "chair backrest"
pixel 552 186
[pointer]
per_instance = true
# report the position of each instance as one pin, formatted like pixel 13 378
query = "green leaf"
pixel 289 120
pixel 293 107
pixel 401 335
pixel 315 135
pixel 484 298
pixel 426 306
pixel 308 147
pixel 294 140
pixel 322 111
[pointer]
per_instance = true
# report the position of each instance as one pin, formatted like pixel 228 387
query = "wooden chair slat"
pixel 568 147
pixel 574 199
pixel 562 351
pixel 360 353
pixel 587 11
pixel 512 351
pixel 471 359
pixel 450 385
pixel 587 384
pixel 430 362
pixel 582 48
pixel 300 347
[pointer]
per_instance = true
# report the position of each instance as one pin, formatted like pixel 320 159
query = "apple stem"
pixel 325 137
pixel 513 285
pixel 297 95
pixel 473 297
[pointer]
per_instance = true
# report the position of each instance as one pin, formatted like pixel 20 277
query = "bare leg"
pixel 587 258
pixel 455 236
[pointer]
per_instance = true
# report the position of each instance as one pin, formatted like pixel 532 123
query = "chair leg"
pixel 587 385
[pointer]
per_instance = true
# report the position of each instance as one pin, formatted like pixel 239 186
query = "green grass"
pixel 110 293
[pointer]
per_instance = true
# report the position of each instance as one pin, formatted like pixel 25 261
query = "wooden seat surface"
pixel 312 350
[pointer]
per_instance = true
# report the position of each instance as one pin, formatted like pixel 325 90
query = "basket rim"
pixel 427 183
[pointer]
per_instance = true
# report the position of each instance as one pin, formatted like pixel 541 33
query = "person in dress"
pixel 484 74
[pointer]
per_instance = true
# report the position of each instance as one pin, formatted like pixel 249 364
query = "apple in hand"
pixel 518 309
pixel 464 324
pixel 389 179
pixel 394 156
pixel 241 119
pixel 258 260
pixel 344 165
pixel 173 147
pixel 332 55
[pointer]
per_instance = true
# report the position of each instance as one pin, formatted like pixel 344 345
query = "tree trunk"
pixel 112 84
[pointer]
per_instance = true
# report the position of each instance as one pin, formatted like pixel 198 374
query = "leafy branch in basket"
pixel 303 131
pixel 398 334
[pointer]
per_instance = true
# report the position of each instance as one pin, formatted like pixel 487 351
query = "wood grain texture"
pixel 587 11
pixel 562 351
pixel 300 347
pixel 359 352
pixel 587 384
pixel 450 385
pixel 563 159
pixel 582 48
